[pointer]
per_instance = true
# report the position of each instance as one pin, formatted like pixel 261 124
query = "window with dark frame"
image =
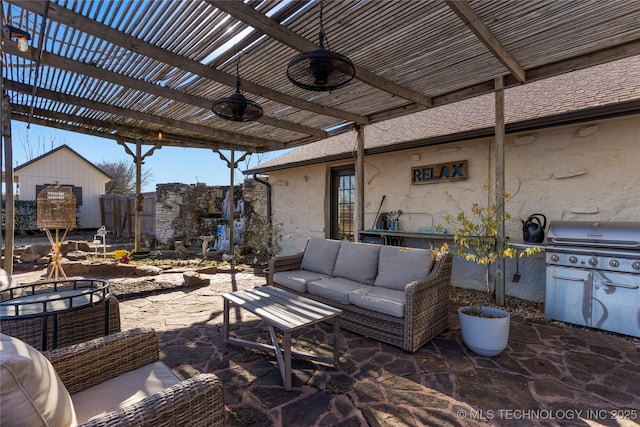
pixel 343 198
pixel 77 191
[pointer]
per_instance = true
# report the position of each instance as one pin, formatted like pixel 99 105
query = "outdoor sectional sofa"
pixel 393 294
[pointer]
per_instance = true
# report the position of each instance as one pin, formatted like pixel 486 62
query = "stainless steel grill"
pixel 623 235
pixel 593 274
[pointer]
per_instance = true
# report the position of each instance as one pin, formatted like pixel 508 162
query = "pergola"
pixel 129 70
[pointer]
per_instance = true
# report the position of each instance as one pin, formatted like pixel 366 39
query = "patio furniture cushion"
pixel 31 393
pixel 134 386
pixel 398 266
pixel 297 279
pixel 396 295
pixel 320 255
pixel 379 299
pixel 335 289
pixel 357 261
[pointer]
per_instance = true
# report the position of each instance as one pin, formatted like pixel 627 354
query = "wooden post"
pixel 9 196
pixel 138 159
pixel 500 189
pixel 103 218
pixel 359 219
pixel 116 214
pixel 232 164
pixel 139 196
pixel 231 207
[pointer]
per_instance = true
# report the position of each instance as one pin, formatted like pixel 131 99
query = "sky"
pixel 167 165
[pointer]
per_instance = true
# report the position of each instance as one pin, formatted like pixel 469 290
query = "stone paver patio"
pixel 551 373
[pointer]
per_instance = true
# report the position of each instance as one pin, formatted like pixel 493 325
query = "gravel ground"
pixel 527 309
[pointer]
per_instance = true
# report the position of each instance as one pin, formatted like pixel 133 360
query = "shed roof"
pixel 62 147
pixel 125 70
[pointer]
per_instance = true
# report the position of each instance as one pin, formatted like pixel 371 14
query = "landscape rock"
pixel 41 250
pixel 193 278
pixel 77 255
pixel 208 270
pixel 29 257
pixel 148 270
pixel 72 268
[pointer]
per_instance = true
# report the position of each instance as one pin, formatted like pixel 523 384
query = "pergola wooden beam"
pixel 273 29
pixel 67 17
pixel 60 121
pixel 60 62
pixel 464 11
pixel 249 141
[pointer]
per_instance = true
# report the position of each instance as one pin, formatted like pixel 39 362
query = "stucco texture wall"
pixel 585 171
pixel 299 204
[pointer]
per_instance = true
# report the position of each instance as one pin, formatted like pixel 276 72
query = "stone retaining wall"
pixel 187 211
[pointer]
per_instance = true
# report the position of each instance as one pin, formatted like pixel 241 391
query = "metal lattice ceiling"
pixel 127 69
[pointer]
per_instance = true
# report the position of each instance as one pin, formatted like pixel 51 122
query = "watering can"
pixel 533 228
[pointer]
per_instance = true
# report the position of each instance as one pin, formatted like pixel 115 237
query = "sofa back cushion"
pixel 320 255
pixel 31 393
pixel 400 266
pixel 357 262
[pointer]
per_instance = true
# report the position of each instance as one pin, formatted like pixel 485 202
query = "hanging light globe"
pixel 237 108
pixel 320 69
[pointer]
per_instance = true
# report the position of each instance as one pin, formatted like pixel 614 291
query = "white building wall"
pixel 298 203
pixel 67 169
pixel 585 171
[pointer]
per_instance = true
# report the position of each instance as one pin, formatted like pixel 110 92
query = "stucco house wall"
pixel 586 171
pixel 65 166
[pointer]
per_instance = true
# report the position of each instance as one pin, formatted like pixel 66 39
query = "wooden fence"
pixel 118 214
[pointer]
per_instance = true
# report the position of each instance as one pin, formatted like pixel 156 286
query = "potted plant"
pixel 485 330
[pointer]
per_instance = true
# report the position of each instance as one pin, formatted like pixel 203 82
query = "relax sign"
pixel 441 172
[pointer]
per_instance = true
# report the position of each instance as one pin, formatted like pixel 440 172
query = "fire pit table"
pixel 78 309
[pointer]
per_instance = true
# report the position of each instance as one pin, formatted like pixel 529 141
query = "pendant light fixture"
pixel 320 69
pixel 237 108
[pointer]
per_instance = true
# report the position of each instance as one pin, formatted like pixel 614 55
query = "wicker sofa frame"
pixel 197 401
pixel 425 307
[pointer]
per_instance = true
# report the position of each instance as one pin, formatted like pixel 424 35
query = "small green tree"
pixel 264 236
pixel 26 215
pixel 476 233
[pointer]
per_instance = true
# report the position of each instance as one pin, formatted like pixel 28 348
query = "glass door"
pixel 343 198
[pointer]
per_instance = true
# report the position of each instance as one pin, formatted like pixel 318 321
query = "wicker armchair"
pixel 197 401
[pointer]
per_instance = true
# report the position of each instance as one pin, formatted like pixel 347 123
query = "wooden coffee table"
pixel 287 312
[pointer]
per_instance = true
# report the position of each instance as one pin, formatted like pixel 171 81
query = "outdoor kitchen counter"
pixel 401 238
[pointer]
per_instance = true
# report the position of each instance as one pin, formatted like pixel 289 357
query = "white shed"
pixel 66 167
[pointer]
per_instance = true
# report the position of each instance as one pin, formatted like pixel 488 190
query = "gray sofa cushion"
pixel 336 289
pixel 398 267
pixel 297 279
pixel 320 255
pixel 357 262
pixel 382 300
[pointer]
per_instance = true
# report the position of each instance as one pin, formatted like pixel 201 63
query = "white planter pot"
pixel 486 336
